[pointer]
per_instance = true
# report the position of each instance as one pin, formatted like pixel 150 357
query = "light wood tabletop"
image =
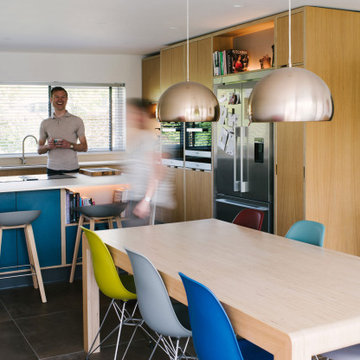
pixel 293 299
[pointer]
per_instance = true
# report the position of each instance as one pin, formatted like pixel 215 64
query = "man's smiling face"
pixel 59 100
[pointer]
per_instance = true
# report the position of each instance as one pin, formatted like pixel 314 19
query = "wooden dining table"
pixel 293 299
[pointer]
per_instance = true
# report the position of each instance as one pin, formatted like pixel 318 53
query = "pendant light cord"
pixel 290 64
pixel 187 41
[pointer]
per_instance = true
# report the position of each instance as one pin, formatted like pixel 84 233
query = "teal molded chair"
pixel 310 232
pixel 213 334
pixel 120 288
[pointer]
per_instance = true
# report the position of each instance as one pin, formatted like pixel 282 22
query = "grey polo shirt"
pixel 68 127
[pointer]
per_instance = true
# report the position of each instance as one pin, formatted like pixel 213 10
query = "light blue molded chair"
pixel 213 335
pixel 310 232
pixel 163 317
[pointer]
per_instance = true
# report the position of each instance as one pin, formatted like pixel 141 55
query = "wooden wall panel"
pixel 332 148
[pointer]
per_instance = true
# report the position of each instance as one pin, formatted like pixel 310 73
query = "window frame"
pixel 53 84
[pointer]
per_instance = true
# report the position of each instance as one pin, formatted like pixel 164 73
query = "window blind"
pixel 23 107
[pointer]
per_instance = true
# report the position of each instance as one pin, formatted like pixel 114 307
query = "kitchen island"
pixel 55 238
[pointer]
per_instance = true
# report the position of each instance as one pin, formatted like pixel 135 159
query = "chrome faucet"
pixel 23 147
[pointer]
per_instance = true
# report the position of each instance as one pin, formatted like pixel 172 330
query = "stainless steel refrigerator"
pixel 243 164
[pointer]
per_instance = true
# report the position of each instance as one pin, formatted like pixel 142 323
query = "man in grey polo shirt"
pixel 62 132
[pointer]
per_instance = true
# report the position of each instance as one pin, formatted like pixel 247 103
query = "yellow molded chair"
pixel 120 288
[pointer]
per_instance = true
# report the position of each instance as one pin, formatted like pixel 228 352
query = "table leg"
pixel 91 303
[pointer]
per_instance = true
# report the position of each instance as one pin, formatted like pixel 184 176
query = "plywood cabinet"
pixel 151 78
pixel 198 194
pixel 289 177
pixel 200 63
pixel 297 39
pixel 172 66
pixel 178 213
pixel 193 195
pixel 332 160
pixel 331 168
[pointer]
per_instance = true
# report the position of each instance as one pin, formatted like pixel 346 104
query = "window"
pixel 101 107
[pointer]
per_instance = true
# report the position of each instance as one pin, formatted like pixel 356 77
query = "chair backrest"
pixel 307 231
pixel 213 335
pixel 250 218
pixel 154 302
pixel 105 271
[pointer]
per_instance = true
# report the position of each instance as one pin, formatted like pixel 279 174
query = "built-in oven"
pixel 172 143
pixel 198 137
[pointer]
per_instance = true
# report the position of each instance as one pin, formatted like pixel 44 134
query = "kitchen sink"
pixel 22 178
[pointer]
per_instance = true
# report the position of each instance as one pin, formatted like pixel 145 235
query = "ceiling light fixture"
pixel 188 101
pixel 290 94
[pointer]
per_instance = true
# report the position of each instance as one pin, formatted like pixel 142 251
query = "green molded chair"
pixel 310 232
pixel 120 288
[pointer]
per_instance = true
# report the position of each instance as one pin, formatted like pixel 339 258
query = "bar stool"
pixel 95 213
pixel 23 219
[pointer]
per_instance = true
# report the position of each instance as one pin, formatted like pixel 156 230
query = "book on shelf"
pixel 230 61
pixel 74 201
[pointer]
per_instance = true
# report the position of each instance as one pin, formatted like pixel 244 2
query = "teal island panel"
pixel 47 227
pixel 8 246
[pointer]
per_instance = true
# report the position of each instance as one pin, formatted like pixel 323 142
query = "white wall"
pixel 86 68
pixel 91 68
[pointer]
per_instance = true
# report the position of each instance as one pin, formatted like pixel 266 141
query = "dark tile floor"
pixel 31 330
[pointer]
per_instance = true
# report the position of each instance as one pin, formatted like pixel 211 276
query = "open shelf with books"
pixel 87 196
pixel 245 47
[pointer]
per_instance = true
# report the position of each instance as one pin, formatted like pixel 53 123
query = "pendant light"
pixel 188 101
pixel 290 94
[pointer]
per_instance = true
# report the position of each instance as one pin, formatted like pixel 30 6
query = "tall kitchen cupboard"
pixel 331 194
pixel 188 182
pixel 289 137
pixel 172 71
pixel 199 184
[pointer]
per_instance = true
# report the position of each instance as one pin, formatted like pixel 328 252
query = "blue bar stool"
pixel 23 219
pixel 95 213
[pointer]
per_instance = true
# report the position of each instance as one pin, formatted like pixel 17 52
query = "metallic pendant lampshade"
pixel 290 94
pixel 188 101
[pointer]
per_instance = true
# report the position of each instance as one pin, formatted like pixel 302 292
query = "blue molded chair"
pixel 310 232
pixel 213 335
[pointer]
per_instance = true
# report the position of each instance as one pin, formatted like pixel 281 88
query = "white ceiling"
pixel 126 27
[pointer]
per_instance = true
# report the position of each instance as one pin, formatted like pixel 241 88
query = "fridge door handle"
pixel 241 184
pixel 240 204
pixel 244 160
pixel 236 181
